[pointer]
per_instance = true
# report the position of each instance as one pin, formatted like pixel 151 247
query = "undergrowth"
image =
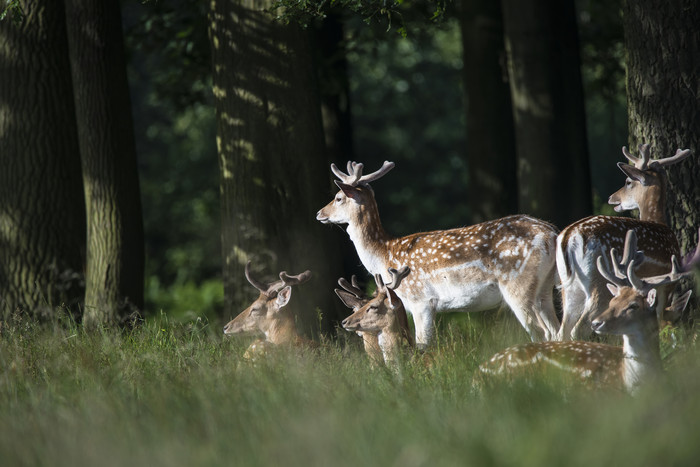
pixel 174 394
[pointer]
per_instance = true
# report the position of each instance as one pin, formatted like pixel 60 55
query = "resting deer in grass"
pixel 355 298
pixel 269 315
pixel 584 291
pixel 384 316
pixel 630 314
pixel 509 260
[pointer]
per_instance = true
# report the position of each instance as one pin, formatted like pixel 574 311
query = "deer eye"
pixel 629 182
pixel 338 199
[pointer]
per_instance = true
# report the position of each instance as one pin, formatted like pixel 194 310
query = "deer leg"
pixel 424 320
pixel 573 304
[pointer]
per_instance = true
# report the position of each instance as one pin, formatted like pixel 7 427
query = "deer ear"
pixel 651 297
pixel 349 190
pixel 634 173
pixel 394 300
pixel 283 296
pixel 614 290
pixel 348 299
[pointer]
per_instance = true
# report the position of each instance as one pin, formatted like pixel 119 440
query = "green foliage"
pixel 179 394
pixel 603 73
pixel 175 130
pixel 408 108
pixel 186 300
pixel 12 8
pixel 401 15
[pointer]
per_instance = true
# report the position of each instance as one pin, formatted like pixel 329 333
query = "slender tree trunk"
pixel 115 252
pixel 274 171
pixel 42 227
pixel 493 184
pixel 550 126
pixel 663 94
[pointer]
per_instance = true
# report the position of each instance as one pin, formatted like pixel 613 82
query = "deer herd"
pixel 516 261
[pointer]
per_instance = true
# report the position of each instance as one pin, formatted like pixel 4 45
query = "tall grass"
pixel 173 394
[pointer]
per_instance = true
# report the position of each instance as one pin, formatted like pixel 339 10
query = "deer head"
pixel 644 188
pixel 384 312
pixel 355 193
pixel 633 298
pixel 264 315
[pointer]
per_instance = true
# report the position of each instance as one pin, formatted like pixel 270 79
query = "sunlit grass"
pixel 179 394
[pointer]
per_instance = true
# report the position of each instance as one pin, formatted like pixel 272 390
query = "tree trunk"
pixel 493 184
pixel 663 65
pixel 550 129
pixel 274 171
pixel 115 252
pixel 42 226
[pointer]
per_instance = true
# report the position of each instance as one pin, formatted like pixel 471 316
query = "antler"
pixel 353 288
pixel 665 162
pixel 295 280
pixel 640 163
pixel 271 289
pixel 354 176
pixel 397 276
pixel 622 268
pixel 645 162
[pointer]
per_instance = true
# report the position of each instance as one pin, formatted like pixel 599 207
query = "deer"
pixel 630 313
pixel 583 289
pixel 270 316
pixel 507 261
pixel 384 316
pixel 355 298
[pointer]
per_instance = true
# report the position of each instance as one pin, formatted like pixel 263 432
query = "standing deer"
pixel 509 260
pixel 384 316
pixel 269 315
pixel 584 291
pixel 630 314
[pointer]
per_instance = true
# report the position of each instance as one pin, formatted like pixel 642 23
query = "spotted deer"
pixel 584 291
pixel 269 315
pixel 355 298
pixel 384 316
pixel 630 314
pixel 506 261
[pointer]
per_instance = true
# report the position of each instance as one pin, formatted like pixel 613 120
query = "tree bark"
pixel 115 251
pixel 274 171
pixel 42 227
pixel 550 126
pixel 493 184
pixel 663 94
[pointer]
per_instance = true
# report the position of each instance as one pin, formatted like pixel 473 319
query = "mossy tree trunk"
pixel 490 151
pixel 550 126
pixel 274 170
pixel 115 251
pixel 42 227
pixel 663 94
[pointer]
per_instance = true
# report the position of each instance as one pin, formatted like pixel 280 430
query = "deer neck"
pixel 642 359
pixel 369 237
pixel 372 348
pixel 653 206
pixel 390 343
pixel 283 330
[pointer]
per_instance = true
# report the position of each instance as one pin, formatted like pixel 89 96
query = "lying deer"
pixel 355 298
pixel 509 260
pixel 584 291
pixel 385 317
pixel 630 313
pixel 269 315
